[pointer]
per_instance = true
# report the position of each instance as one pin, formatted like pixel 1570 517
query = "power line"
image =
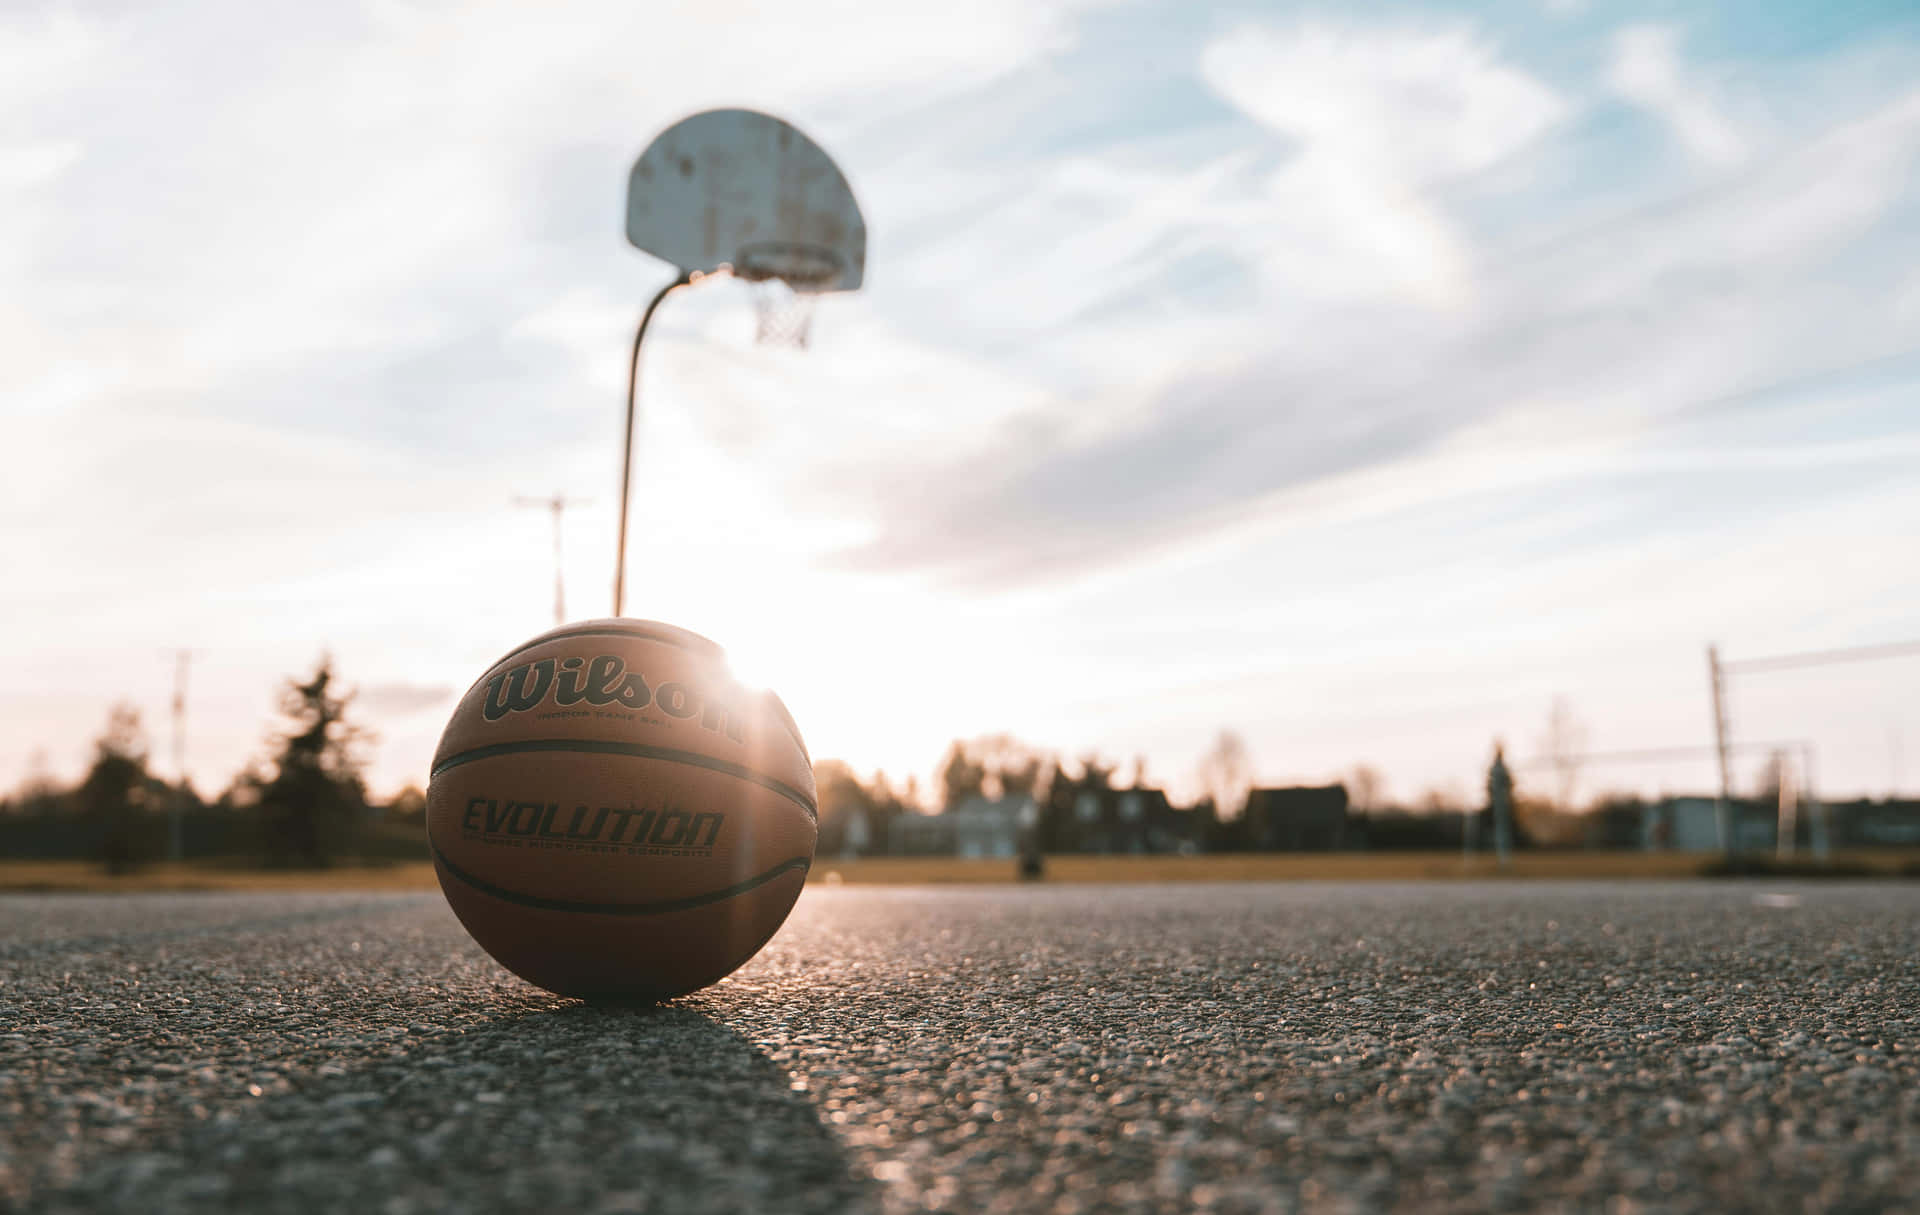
pixel 1817 658
pixel 1654 755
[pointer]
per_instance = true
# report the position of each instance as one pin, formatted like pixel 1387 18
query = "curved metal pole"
pixel 626 450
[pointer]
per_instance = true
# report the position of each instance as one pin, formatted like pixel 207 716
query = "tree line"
pixel 858 816
pixel 304 806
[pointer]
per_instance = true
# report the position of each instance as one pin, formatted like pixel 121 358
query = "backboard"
pixel 741 191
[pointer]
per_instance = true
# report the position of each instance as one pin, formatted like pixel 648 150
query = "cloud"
pixel 1047 502
pixel 1646 70
pixel 1410 104
pixel 1608 327
pixel 385 178
pixel 1382 116
pixel 43 53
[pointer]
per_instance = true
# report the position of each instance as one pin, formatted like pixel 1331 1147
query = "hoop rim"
pixel 807 269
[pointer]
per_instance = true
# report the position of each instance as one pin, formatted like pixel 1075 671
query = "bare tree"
pixel 1226 773
pixel 1365 788
pixel 1561 746
pixel 1010 767
pixel 1096 773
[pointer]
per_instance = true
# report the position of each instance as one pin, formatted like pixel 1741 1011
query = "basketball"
pixel 613 815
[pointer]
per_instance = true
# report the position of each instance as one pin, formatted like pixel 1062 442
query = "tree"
pixel 1012 768
pixel 1366 788
pixel 847 819
pixel 1226 774
pixel 113 797
pixel 1095 773
pixel 315 795
pixel 38 792
pixel 1561 745
pixel 961 776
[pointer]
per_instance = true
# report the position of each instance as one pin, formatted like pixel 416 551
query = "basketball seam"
pixel 660 907
pixel 600 746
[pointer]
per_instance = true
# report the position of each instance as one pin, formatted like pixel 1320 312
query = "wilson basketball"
pixel 612 814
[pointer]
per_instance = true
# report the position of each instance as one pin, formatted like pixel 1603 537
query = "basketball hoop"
pixel 698 195
pixel 786 278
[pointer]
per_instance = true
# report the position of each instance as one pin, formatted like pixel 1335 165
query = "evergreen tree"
pixel 961 777
pixel 315 798
pixel 113 797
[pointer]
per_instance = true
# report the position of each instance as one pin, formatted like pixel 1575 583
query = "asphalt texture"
pixel 1224 1048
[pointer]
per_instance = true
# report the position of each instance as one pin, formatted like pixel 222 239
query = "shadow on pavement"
pixel 541 1107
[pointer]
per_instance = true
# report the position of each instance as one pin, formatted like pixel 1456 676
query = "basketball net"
pixel 786 276
pixel 782 316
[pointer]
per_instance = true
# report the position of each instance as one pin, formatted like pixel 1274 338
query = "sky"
pixel 1360 378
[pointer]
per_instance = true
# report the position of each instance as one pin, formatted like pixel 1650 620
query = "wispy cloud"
pixel 1647 70
pixel 1383 117
pixel 1695 298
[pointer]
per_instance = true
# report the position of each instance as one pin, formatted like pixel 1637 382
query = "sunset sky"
pixel 1356 377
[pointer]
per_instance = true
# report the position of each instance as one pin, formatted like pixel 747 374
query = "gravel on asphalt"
pixel 1446 1047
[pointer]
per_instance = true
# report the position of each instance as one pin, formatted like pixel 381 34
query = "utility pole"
pixel 1817 836
pixel 1893 762
pixel 175 830
pixel 557 504
pixel 1787 822
pixel 1723 810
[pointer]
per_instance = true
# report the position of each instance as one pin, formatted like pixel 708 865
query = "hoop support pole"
pixel 626 448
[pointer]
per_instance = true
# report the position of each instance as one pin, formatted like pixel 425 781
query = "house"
pixel 1681 824
pixel 985 827
pixel 1692 824
pixel 1082 815
pixel 1306 818
pixel 977 827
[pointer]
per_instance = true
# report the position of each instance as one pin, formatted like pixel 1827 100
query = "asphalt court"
pixel 1235 1047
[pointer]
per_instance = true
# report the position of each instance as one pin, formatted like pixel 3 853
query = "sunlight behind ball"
pixel 612 814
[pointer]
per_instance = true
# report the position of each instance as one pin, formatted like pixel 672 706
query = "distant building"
pixel 1692 824
pixel 1310 818
pixel 1869 824
pixel 982 827
pixel 977 827
pixel 1086 816
pixel 1681 824
pixel 853 830
pixel 857 835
